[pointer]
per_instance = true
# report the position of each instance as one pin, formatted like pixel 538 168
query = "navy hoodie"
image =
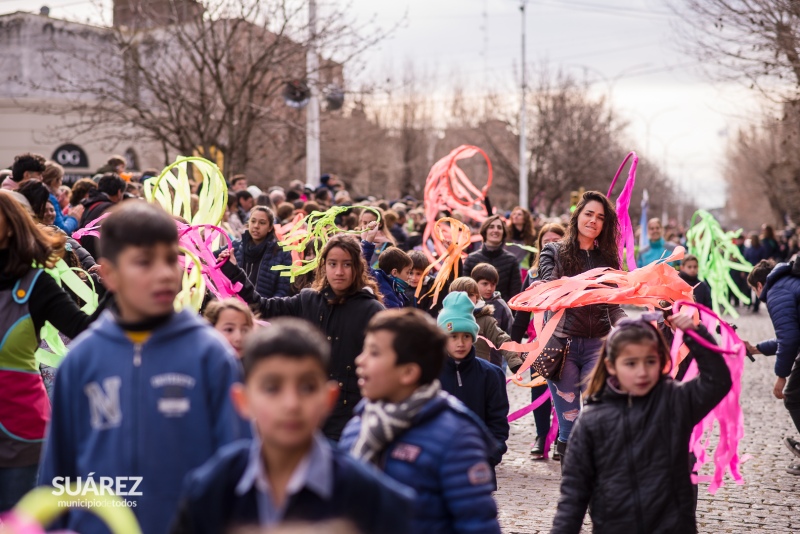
pixel 481 386
pixel 154 410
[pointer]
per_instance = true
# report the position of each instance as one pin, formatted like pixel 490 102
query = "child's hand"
pixel 226 254
pixel 752 349
pixel 371 232
pixel 777 391
pixel 682 322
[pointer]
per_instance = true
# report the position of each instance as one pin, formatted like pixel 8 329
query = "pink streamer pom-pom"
pixel 92 228
pixel 728 413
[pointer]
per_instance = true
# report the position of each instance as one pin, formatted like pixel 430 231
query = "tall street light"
pixel 523 134
pixel 312 110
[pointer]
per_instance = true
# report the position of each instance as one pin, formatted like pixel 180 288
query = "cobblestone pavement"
pixel 769 501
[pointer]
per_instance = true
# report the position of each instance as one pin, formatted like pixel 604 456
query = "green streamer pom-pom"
pixel 717 256
pixel 319 227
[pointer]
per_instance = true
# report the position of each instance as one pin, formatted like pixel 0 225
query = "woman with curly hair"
pixel 28 298
pixel 591 242
pixel 522 232
pixel 341 302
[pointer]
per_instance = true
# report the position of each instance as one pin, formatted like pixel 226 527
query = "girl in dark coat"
pixel 258 252
pixel 629 451
pixel 341 302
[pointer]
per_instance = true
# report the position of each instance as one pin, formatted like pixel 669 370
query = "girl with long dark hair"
pixel 257 252
pixel 341 302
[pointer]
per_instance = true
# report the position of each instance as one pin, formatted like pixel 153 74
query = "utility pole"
pixel 523 136
pixel 312 110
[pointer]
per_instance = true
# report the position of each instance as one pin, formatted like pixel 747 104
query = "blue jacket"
pixel 781 293
pixel 369 499
pixel 155 411
pixel 444 458
pixel 655 251
pixel 393 295
pixel 68 223
pixel 268 283
pixel 481 386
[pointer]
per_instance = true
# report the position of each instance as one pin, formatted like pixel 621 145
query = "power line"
pixel 609 9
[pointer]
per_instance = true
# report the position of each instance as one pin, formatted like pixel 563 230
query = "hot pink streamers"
pixel 447 188
pixel 199 241
pixel 626 240
pixel 92 228
pixel 529 408
pixel 728 413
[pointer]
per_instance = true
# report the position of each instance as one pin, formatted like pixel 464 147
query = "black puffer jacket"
pixel 507 266
pixel 342 320
pixel 588 321
pixel 628 457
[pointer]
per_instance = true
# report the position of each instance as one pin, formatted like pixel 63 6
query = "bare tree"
pixel 756 40
pixel 763 172
pixel 212 79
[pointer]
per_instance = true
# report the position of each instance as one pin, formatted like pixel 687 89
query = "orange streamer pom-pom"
pixel 459 237
pixel 646 286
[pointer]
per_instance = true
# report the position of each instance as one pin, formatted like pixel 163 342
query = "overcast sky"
pixel 628 48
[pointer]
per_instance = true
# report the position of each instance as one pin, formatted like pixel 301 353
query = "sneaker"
pixel 537 449
pixel 793 446
pixel 793 470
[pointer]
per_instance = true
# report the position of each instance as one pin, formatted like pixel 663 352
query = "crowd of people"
pixel 349 392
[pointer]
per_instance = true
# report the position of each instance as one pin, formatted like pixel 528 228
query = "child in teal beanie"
pixel 477 383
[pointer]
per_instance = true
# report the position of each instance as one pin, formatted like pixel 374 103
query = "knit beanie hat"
pixel 457 315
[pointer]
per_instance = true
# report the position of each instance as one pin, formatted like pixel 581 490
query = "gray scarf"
pixel 382 422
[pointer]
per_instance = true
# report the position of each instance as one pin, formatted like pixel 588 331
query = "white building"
pixel 38 56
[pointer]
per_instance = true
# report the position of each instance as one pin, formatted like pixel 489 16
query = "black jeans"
pixel 541 415
pixel 791 394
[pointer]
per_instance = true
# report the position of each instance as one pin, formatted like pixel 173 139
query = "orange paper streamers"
pixel 458 236
pixel 643 287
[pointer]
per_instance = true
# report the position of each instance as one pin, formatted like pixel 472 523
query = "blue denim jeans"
pixel 14 483
pixel 566 391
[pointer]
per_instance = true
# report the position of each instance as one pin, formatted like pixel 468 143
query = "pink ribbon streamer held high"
pixel 626 240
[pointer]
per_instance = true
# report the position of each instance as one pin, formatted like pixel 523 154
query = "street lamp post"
pixel 523 137
pixel 312 110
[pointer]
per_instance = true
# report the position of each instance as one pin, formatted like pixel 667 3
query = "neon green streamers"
pixel 319 227
pixel 716 257
pixel 64 276
pixel 193 285
pixel 174 193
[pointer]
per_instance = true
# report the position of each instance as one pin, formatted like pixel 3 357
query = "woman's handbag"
pixel 550 361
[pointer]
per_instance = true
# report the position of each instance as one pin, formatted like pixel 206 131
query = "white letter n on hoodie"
pixel 104 403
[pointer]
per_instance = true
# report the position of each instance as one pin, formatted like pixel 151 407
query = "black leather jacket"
pixel 588 321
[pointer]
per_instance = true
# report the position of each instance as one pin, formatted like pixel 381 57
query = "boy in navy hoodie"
pixel 288 472
pixel 142 397
pixel 418 434
pixel 476 382
pixel 394 268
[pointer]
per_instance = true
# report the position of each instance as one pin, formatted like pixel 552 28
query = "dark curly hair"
pixel 607 242
pixel 362 279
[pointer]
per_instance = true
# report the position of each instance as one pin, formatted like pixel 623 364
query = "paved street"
pixel 769 501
